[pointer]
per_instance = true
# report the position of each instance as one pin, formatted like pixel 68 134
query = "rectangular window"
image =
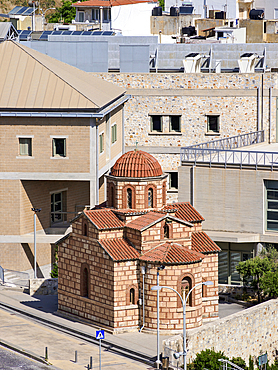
pixel 25 146
pixel 175 123
pixel 173 181
pixel 271 205
pixel 156 123
pixel 59 147
pixel 106 15
pixel 59 207
pixel 101 143
pixel 275 13
pixel 213 123
pixel 95 14
pixel 81 17
pixel 114 133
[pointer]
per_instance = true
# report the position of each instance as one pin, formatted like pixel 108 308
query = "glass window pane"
pixel 272 194
pixel 272 205
pixel 272 225
pixel 273 216
pixel 213 123
pixel 156 123
pixel 223 267
pixel 25 146
pixel 59 147
pixel 235 259
pixel 175 123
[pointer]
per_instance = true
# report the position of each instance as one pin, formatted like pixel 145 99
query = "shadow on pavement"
pixel 48 304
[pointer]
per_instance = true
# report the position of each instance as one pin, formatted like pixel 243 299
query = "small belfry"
pixel 112 251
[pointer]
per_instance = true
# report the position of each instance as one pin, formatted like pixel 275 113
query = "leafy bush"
pixel 54 272
pixel 239 362
pixel 208 359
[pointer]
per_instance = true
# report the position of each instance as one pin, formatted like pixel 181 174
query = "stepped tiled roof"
pixel 136 164
pixel 104 219
pixel 144 221
pixel 184 211
pixel 119 249
pixel 172 253
pixel 203 243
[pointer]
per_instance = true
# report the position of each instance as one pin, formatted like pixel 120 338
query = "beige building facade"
pixel 61 131
pixel 169 111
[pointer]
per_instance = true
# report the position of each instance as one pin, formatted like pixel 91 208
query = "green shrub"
pixel 208 359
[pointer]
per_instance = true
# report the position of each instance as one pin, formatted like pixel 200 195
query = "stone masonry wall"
pixel 247 333
pixel 73 253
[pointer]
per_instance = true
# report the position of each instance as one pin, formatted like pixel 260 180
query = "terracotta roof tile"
pixel 203 244
pixel 172 253
pixel 104 219
pixel 143 221
pixel 136 164
pixel 106 3
pixel 185 212
pixel 119 249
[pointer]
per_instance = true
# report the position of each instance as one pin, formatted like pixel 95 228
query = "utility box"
pixel 247 63
pixel 165 363
pixel 192 63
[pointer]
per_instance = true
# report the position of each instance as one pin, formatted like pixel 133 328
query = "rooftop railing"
pixel 222 153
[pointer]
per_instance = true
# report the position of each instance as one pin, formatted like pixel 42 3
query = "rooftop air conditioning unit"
pixel 192 63
pixel 247 62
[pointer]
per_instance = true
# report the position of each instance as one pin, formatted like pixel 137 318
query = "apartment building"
pixel 61 131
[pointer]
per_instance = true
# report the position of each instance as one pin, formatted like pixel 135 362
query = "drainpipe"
pixel 143 271
pixel 192 185
pixel 262 105
pixel 270 100
pixel 258 108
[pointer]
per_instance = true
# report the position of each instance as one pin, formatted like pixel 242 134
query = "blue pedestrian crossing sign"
pixel 100 334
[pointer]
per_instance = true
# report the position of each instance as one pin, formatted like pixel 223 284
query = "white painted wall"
pixel 232 11
pixel 132 20
pixel 269 7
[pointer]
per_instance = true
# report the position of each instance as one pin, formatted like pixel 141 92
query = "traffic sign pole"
pixel 100 354
pixel 100 336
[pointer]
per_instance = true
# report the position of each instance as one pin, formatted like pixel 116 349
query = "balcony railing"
pixel 221 153
pixel 232 142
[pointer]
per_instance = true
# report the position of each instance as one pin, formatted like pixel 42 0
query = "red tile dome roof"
pixel 136 163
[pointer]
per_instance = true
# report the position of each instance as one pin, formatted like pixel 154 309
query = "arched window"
pixel 129 198
pixel 85 229
pixel 85 281
pixel 166 231
pixel 150 198
pixel 132 296
pixel 111 196
pixel 164 193
pixel 186 286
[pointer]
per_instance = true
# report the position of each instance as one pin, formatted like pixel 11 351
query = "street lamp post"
pixel 157 343
pixel 35 210
pixel 159 287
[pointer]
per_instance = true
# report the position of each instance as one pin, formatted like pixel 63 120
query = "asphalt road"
pixel 12 361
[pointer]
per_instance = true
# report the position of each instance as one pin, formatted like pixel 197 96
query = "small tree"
pixel 208 359
pixel 54 272
pixel 269 284
pixel 255 268
pixel 239 362
pixel 65 13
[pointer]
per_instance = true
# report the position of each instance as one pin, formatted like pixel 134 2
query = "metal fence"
pixel 226 158
pixel 222 153
pixel 16 278
pixel 2 275
pixel 232 142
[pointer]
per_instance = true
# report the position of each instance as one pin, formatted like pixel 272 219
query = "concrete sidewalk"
pixel 35 337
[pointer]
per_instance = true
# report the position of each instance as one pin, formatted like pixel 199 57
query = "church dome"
pixel 136 163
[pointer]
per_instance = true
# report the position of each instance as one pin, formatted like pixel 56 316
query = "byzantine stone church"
pixel 111 259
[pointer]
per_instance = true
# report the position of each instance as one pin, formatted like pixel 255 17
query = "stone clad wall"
pixel 248 333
